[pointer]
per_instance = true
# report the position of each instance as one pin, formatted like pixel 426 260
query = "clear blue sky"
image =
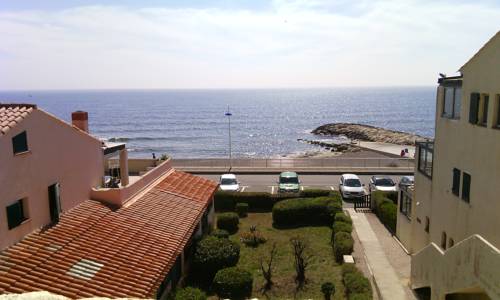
pixel 229 44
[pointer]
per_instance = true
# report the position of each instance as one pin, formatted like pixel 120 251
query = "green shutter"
pixel 15 214
pixel 466 187
pixel 455 189
pixel 20 143
pixel 474 108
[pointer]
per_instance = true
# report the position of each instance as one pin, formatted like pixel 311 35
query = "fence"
pixel 403 163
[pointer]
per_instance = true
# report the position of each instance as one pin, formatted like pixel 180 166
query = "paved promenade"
pixel 389 278
pixel 388 149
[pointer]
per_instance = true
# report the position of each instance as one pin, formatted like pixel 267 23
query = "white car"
pixel 351 187
pixel 382 183
pixel 229 183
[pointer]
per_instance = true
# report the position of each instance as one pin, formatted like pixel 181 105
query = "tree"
pixel 328 289
pixel 267 268
pixel 302 259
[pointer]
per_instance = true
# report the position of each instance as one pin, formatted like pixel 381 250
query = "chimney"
pixel 80 119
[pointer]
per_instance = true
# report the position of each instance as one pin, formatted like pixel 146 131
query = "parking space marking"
pixel 243 188
pixel 332 188
pixel 272 189
pixel 302 188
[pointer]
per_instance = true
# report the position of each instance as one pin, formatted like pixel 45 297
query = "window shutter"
pixel 20 143
pixel 455 189
pixel 15 215
pixel 466 187
pixel 474 108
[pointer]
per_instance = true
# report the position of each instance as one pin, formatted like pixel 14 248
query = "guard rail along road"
pixel 304 165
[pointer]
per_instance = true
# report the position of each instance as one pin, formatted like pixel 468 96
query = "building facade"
pixel 450 222
pixel 47 167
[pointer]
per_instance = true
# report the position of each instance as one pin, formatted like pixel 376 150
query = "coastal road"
pixel 268 183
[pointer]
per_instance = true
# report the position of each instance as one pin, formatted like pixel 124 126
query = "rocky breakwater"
pixel 368 133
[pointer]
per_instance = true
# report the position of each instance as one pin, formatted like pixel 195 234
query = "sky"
pixel 91 44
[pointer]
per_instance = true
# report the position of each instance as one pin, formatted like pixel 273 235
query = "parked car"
pixel 406 181
pixel 350 186
pixel 382 183
pixel 288 182
pixel 228 182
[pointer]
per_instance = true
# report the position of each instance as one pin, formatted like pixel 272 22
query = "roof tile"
pixel 12 114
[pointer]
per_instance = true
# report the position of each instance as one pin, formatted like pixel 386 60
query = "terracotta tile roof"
pixel 97 251
pixel 12 114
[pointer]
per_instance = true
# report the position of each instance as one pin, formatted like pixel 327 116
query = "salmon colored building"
pixel 66 231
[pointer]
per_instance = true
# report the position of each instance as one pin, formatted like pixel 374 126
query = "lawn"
pixel 322 268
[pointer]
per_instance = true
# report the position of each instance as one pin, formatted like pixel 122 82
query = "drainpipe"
pixel 124 167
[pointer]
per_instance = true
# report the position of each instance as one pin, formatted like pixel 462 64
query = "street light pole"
pixel 228 115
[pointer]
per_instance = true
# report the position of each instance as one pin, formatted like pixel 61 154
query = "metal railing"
pixel 336 162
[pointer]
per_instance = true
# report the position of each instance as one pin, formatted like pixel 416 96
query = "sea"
pixel 264 123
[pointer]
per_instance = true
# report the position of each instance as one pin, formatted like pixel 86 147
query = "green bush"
pixel 306 211
pixel 328 289
pixel 385 209
pixel 361 296
pixel 341 227
pixel 314 193
pixel 242 209
pixel 343 244
pixel 356 284
pixel 213 254
pixel 189 293
pixel 228 221
pixel 220 233
pixel 233 283
pixel 342 217
pixel 261 202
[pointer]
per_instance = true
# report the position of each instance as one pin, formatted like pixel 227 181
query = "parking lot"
pixel 269 183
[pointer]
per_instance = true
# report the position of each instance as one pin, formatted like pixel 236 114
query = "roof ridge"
pixel 14 105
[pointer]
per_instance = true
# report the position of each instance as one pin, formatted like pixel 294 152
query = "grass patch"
pixel 323 267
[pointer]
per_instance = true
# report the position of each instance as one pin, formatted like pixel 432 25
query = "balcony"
pixel 140 173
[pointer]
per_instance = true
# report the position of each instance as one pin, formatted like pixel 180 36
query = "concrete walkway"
pixel 386 148
pixel 389 284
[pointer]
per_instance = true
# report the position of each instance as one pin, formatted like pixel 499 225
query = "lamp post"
pixel 228 114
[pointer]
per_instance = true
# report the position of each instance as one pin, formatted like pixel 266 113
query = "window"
pixel 425 158
pixel 452 102
pixel 405 205
pixel 443 240
pixel 427 224
pixel 455 188
pixel 16 214
pixel 485 99
pixel 474 108
pixel 20 143
pixel 466 187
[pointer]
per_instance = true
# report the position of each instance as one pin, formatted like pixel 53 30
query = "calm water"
pixel 265 123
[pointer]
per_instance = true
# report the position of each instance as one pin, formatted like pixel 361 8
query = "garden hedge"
pixel 213 254
pixel 357 286
pixel 342 217
pixel 220 233
pixel 343 244
pixel 233 283
pixel 189 293
pixel 260 202
pixel 228 221
pixel 341 227
pixel 385 209
pixel 242 209
pixel 306 211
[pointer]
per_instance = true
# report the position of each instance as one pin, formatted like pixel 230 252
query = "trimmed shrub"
pixel 228 221
pixel 253 237
pixel 220 233
pixel 306 211
pixel 242 209
pixel 233 283
pixel 356 284
pixel 342 217
pixel 385 209
pixel 341 227
pixel 190 293
pixel 343 244
pixel 213 254
pixel 314 193
pixel 328 289
pixel 363 296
